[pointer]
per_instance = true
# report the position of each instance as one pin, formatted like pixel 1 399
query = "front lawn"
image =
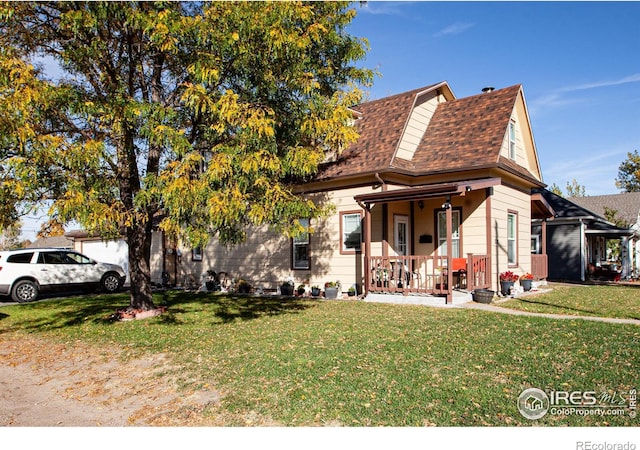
pixel 303 362
pixel 621 302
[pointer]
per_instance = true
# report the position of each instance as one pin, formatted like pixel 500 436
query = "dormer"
pixel 424 106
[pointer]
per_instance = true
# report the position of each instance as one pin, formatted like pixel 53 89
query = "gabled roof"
pixel 462 134
pixel 52 241
pixel 627 205
pixel 567 210
pixel 466 132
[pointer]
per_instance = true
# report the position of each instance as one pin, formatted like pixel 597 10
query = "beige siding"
pixel 265 258
pixel 417 124
pixel 506 199
pixel 526 154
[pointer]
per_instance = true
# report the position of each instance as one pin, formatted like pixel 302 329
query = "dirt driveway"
pixel 52 384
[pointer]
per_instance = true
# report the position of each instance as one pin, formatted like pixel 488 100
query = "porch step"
pixel 459 299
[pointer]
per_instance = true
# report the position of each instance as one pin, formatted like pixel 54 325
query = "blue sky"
pixel 578 62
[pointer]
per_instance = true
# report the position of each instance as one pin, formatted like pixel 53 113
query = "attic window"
pixel 512 140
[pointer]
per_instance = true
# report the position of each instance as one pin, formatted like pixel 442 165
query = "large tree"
pixel 202 116
pixel 629 173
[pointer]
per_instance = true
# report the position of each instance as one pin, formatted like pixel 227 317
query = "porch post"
pixel 544 248
pixel 488 225
pixel 367 249
pixel 449 217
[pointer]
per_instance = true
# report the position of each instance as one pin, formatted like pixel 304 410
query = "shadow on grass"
pixel 230 307
pixel 587 312
pixel 560 307
pixel 61 313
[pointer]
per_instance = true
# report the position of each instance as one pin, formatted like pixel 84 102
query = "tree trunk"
pixel 139 242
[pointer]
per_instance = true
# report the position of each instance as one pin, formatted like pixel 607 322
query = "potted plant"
pixel 286 288
pixel 331 289
pixel 243 287
pixel 315 291
pixel 352 291
pixel 507 279
pixel 211 281
pixel 483 295
pixel 301 290
pixel 526 280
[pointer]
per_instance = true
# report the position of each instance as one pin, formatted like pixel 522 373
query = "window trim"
pixel 513 150
pixel 513 213
pixel 537 250
pixel 344 251
pixel 307 243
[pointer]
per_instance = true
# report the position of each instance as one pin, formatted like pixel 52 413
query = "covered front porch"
pixel 418 238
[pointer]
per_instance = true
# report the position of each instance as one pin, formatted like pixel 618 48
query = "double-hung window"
pixel 512 140
pixel 455 233
pixel 301 257
pixel 512 238
pixel 350 232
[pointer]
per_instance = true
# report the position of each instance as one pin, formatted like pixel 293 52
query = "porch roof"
pixel 540 208
pixel 458 188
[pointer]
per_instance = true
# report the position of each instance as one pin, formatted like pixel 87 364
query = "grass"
pixel 621 302
pixel 301 362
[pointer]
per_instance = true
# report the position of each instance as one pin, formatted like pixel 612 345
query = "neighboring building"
pixel 576 239
pixel 433 182
pixel 52 242
pixel 116 251
pixel 626 207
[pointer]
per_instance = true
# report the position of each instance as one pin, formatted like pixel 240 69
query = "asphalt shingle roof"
pixel 463 134
pixel 627 204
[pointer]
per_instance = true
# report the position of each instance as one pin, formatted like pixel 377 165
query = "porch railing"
pixel 427 274
pixel 540 266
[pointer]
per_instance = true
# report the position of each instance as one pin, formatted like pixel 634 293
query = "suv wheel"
pixel 110 282
pixel 24 291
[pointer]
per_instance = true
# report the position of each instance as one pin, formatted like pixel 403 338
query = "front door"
pixel 401 235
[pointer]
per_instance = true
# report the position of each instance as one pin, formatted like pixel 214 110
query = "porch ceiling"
pixel 427 191
pixel 540 208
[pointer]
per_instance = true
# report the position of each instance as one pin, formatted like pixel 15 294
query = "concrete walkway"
pixel 464 300
pixel 514 312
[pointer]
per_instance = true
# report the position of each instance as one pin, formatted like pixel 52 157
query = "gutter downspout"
pixel 379 178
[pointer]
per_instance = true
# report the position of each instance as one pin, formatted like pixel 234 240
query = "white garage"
pixel 117 252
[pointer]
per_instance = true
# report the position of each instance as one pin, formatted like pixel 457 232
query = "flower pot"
pixel 483 295
pixel 301 292
pixel 526 285
pixel 331 292
pixel 244 289
pixel 505 287
pixel 286 290
pixel 315 292
pixel 351 293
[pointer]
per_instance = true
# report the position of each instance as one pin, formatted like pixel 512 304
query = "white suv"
pixel 25 273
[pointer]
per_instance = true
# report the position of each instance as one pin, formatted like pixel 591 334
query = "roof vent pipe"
pixel 488 89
